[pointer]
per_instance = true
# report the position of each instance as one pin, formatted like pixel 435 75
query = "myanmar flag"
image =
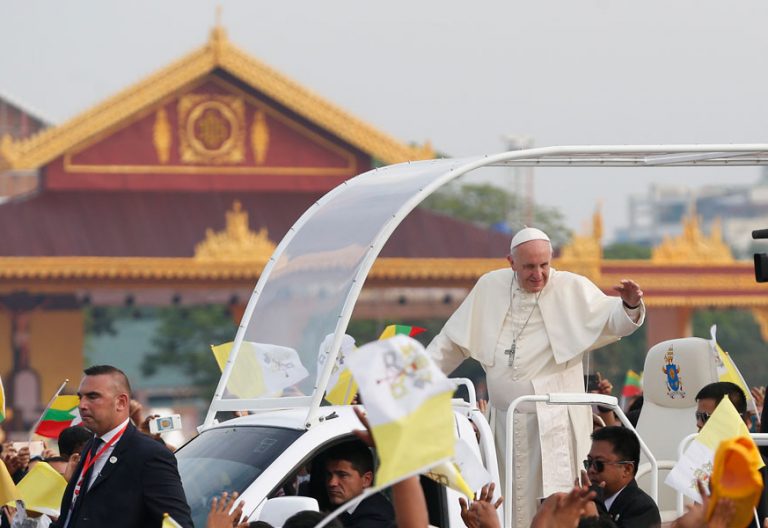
pixel 633 385
pixel 61 414
pixel 393 330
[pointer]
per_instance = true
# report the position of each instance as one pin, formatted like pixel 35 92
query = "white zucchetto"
pixel 526 235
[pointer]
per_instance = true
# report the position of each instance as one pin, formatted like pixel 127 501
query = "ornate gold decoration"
pixel 693 246
pixel 218 35
pixel 211 128
pixel 237 241
pixel 348 168
pixel 161 136
pixel 259 137
pixel 584 252
pixel 7 154
pixel 761 317
pixel 218 52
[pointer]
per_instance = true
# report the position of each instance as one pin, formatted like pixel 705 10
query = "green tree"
pixel 739 334
pixel 626 251
pixel 487 205
pixel 183 340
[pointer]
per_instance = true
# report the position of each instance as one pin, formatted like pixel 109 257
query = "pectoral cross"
pixel 511 353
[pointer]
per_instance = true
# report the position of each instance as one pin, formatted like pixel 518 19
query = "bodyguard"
pixel 125 479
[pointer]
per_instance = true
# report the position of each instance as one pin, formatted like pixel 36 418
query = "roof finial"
pixel 218 35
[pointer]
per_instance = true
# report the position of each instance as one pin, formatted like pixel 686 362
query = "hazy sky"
pixel 458 73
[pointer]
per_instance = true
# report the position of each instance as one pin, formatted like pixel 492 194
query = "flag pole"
pixel 50 402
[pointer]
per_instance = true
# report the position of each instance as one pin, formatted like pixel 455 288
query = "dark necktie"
pixel 97 442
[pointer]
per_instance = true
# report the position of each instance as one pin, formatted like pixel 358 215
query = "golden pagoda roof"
pixel 665 285
pixel 217 53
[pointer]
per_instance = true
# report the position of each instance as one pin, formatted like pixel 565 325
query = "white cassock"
pixel 552 330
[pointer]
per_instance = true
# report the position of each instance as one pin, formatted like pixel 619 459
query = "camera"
pixel 761 259
pixel 164 424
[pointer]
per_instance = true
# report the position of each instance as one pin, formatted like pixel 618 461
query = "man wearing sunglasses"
pixel 710 396
pixel 707 401
pixel 610 469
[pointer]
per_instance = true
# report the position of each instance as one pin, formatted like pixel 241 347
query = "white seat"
pixel 669 410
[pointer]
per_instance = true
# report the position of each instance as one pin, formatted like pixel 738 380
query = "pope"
pixel 529 326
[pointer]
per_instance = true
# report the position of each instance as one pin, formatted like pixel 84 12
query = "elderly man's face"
pixel 530 261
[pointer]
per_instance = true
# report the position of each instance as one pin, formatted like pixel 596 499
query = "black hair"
pixel 637 404
pixel 624 442
pixel 717 391
pixel 353 451
pixel 309 519
pixel 101 370
pixel 72 439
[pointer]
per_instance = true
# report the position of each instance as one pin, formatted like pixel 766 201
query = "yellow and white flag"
pixel 448 474
pixel 42 489
pixel 169 522
pixel 408 401
pixel 698 459
pixel 260 370
pixel 341 385
pixel 8 491
pixel 728 371
pixel 464 473
pixel 2 401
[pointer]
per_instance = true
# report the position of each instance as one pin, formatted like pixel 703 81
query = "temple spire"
pixel 218 34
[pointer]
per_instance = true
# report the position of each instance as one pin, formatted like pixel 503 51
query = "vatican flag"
pixel 8 491
pixel 169 522
pixel 408 402
pixel 341 386
pixel 261 370
pixel 464 473
pixel 727 370
pixel 698 459
pixel 41 489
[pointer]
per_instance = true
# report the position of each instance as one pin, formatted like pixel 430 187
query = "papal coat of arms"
pixel 672 371
pixel 406 368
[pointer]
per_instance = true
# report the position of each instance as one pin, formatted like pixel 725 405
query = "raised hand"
pixel 630 292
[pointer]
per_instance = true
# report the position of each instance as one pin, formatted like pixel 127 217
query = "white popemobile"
pixel 308 291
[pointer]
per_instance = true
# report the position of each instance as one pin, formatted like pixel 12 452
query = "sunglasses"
pixel 702 416
pixel 600 464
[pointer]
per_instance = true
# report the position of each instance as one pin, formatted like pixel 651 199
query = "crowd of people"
pixel 148 486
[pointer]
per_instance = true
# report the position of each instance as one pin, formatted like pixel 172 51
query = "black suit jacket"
pixel 139 482
pixel 633 508
pixel 374 512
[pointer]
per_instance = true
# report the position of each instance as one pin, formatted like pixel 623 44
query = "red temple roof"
pixel 165 224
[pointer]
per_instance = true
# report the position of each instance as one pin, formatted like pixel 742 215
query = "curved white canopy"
pixel 310 286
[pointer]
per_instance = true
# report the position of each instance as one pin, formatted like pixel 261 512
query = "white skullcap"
pixel 526 235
